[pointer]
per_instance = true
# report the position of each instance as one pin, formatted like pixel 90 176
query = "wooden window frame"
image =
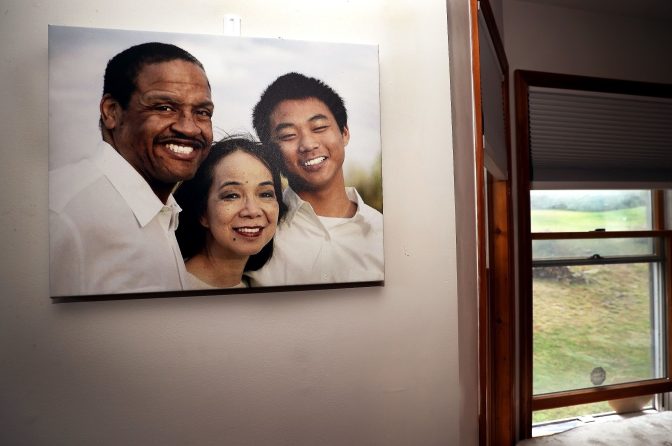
pixel 527 401
pixel 623 390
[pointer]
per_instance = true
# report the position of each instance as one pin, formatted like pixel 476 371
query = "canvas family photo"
pixel 183 162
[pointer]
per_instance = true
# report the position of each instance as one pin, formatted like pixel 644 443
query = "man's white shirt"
pixel 109 232
pixel 309 249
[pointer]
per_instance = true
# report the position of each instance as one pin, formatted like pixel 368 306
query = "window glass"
pixel 569 412
pixel 587 248
pixel 588 210
pixel 594 325
pixel 624 405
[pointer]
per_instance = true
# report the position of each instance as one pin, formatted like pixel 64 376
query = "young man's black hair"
pixel 295 86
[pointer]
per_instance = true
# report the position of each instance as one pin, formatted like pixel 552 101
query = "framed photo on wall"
pixel 193 163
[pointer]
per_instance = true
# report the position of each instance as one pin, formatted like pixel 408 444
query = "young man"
pixel 329 234
pixel 113 217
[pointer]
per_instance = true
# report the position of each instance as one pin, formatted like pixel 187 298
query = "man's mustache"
pixel 196 143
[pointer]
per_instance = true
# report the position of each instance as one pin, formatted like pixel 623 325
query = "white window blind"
pixel 594 137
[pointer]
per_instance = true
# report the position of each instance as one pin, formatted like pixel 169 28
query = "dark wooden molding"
pixel 599 234
pixel 497 401
pixel 667 308
pixel 597 84
pixel 484 421
pixel 658 202
pixel 524 255
pixel 596 394
pixel 502 315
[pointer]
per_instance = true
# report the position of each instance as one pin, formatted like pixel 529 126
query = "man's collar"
pixel 295 203
pixel 131 185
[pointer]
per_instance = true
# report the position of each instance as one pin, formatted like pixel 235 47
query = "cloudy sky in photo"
pixel 239 69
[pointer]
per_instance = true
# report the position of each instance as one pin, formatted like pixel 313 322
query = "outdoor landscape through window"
pixel 596 301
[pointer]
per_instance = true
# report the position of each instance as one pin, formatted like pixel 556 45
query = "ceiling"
pixel 647 9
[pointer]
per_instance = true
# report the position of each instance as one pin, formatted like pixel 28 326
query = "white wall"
pixel 370 366
pixel 551 38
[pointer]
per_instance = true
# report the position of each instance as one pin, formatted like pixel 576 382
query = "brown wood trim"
pixel 587 83
pixel 481 268
pixel 658 203
pixel 487 366
pixel 659 211
pixel 511 404
pixel 668 304
pixel 604 393
pixel 502 315
pixel 479 152
pixel 599 234
pixel 496 292
pixel 524 256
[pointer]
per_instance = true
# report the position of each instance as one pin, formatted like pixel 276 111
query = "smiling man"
pixel 113 216
pixel 329 234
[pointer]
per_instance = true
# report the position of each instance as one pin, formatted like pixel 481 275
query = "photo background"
pixel 238 68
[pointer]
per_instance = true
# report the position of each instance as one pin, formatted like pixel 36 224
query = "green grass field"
pixel 590 316
pixel 551 220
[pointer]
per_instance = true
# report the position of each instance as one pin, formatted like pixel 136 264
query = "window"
pixel 594 243
pixel 597 300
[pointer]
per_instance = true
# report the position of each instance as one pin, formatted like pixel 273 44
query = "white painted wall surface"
pixel 545 37
pixel 370 366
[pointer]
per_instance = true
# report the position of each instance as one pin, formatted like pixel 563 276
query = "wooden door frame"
pixel 495 242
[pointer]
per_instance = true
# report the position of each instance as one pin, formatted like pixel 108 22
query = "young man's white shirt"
pixel 309 249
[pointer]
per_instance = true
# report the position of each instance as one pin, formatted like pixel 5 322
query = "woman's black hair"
pixel 192 196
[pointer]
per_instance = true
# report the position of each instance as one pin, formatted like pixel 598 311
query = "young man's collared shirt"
pixel 109 232
pixel 309 249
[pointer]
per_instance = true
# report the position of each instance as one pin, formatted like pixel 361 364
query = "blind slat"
pixel 590 136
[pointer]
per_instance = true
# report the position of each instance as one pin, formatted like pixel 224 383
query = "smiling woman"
pixel 230 212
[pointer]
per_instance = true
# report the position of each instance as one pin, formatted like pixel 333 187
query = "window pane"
pixel 625 405
pixel 563 413
pixel 587 210
pixel 585 248
pixel 593 325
